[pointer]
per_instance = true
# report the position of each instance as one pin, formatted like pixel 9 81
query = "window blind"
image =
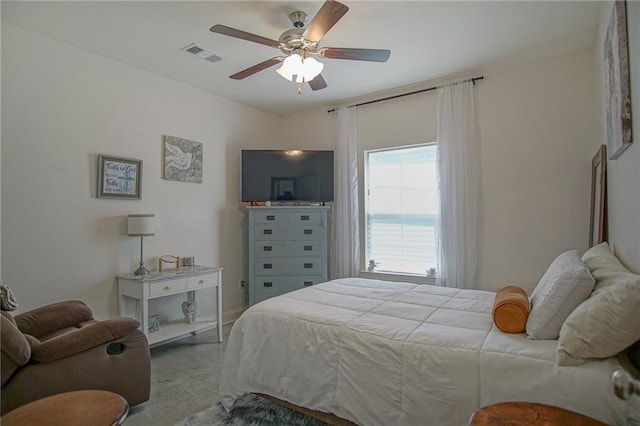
pixel 401 209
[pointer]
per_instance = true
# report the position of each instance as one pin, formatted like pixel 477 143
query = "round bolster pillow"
pixel 511 309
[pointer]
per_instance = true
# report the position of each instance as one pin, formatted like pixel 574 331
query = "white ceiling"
pixel 428 40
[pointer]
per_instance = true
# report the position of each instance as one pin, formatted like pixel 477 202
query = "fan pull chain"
pixel 299 90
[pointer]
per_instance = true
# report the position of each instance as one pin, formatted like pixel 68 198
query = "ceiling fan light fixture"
pixel 291 66
pixel 294 68
pixel 311 68
pixel 299 44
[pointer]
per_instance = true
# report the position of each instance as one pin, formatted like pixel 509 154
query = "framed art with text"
pixel 119 177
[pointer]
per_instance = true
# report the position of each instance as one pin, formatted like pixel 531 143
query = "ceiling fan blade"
pixel 318 83
pixel 232 32
pixel 372 55
pixel 330 13
pixel 257 68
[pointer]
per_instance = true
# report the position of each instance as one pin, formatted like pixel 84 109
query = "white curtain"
pixel 345 253
pixel 459 185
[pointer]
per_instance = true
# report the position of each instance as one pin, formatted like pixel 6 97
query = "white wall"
pixel 61 106
pixel 536 122
pixel 314 129
pixel 537 130
pixel 623 185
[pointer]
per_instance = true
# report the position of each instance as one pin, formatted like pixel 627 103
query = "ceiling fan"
pixel 300 45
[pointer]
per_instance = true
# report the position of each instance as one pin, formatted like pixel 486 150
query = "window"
pixel 402 208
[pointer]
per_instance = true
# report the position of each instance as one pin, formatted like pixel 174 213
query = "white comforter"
pixel 384 353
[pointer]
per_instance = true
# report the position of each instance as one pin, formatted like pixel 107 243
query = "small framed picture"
pixel 182 159
pixel 119 177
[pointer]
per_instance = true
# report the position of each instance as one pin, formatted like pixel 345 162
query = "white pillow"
pixel 565 285
pixel 608 322
pixel 602 262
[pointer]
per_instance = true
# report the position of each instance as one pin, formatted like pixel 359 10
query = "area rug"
pixel 250 410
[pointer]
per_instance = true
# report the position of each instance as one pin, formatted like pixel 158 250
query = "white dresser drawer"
pixel 269 286
pixel 162 288
pixel 288 232
pixel 287 248
pixel 270 217
pixel 288 266
pixel 202 281
pixel 304 218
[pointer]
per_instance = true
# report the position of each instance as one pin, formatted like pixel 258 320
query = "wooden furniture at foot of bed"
pixel 529 413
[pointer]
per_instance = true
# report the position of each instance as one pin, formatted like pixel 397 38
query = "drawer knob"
pixel 308 283
pixel 268 284
pixel 166 287
pixel 304 217
pixel 267 248
pixel 308 231
pixel 267 232
pixel 308 265
pixel 267 266
pixel 308 248
pixel 201 282
pixel 271 217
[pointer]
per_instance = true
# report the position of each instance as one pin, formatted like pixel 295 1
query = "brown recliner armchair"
pixel 60 348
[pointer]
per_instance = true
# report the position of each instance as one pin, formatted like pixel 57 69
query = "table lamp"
pixel 141 225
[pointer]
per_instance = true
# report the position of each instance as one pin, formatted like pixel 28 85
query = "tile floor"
pixel 184 379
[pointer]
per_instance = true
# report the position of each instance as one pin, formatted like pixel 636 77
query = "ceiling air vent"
pixel 200 52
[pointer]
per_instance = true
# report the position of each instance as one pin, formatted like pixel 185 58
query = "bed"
pixel 386 353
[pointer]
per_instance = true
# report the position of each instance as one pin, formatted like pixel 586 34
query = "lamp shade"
pixel 294 68
pixel 311 68
pixel 291 67
pixel 141 225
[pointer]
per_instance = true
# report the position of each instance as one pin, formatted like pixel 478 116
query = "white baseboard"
pixel 231 316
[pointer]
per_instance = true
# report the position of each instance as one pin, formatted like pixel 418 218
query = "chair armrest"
pixel 82 339
pixel 49 318
pixel 14 344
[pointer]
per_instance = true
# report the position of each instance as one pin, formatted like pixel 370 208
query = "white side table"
pixel 161 284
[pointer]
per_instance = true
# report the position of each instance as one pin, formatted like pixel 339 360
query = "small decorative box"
pixel 154 323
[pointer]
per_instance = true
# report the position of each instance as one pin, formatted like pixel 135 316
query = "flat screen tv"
pixel 287 175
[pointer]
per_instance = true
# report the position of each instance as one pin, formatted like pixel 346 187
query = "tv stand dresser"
pixel 287 249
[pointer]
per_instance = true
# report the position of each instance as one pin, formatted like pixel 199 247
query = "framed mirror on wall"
pixel 598 215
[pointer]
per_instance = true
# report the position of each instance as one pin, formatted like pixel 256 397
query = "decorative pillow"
pixel 601 261
pixel 511 309
pixel 608 322
pixel 565 285
pixel 8 301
